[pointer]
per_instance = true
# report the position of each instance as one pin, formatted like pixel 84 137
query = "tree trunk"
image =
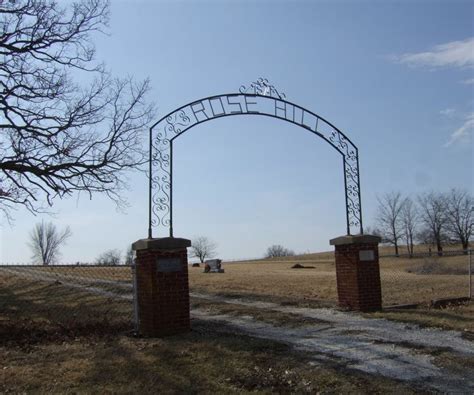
pixel 411 246
pixel 439 247
pixel 465 246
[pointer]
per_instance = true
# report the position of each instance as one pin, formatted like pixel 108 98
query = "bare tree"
pixel 460 218
pixel 202 248
pixel 109 257
pixel 389 215
pixel 409 219
pixel 129 256
pixel 58 137
pixel 433 214
pixel 369 230
pixel 45 242
pixel 277 250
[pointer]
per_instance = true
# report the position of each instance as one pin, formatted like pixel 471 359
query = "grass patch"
pixel 258 297
pixel 272 317
pixel 456 317
pixel 203 361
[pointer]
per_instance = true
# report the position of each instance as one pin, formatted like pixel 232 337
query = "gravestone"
pixel 213 266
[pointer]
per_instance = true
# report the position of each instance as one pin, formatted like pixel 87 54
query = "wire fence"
pixel 100 295
pixel 425 278
pixel 69 295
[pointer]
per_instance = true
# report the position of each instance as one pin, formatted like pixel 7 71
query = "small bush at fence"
pixel 433 265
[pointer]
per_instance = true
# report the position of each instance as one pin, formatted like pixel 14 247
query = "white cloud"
pixel 463 134
pixel 448 112
pixel 454 54
pixel 469 81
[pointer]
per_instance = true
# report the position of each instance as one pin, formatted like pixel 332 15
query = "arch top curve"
pixel 199 111
pixel 270 103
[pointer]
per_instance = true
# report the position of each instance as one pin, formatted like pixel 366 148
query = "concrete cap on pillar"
pixel 161 243
pixel 355 239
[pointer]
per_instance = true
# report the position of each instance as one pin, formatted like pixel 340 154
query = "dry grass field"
pixel 56 337
pixel 269 279
pixel 404 280
pixel 26 299
pixel 113 273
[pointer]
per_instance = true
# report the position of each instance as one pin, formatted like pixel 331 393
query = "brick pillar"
pixel 162 286
pixel 358 272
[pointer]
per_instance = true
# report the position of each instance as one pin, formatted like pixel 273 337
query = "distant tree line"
pixel 114 257
pixel 277 250
pixel 433 218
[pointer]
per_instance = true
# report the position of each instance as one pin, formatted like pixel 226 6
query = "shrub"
pixel 432 265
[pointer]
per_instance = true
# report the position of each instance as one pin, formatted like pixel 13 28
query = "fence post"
pixel 470 274
pixel 135 299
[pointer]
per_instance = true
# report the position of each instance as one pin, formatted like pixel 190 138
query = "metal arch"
pixel 264 100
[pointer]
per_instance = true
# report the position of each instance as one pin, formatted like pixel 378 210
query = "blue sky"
pixel 396 77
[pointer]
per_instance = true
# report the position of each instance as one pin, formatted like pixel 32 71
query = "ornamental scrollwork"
pixel 341 143
pixel 177 122
pixel 262 87
pixel 173 125
pixel 353 209
pixel 352 172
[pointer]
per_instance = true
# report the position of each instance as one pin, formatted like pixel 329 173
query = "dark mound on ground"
pixel 299 266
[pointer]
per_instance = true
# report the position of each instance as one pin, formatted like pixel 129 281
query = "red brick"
pixel 358 283
pixel 163 297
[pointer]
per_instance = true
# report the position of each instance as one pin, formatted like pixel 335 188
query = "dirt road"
pixel 430 358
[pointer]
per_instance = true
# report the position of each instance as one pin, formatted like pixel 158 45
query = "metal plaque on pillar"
pixel 168 265
pixel 366 255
